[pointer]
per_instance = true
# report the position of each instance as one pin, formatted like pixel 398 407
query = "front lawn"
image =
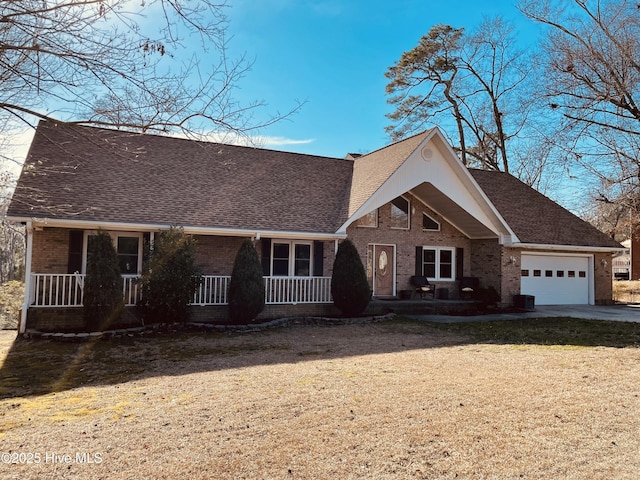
pixel 397 399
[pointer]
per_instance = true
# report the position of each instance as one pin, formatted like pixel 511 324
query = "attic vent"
pixel 427 154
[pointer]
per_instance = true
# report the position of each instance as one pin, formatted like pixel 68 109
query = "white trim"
pixel 408 227
pixel 373 266
pixel 114 239
pixel 437 278
pixel 565 248
pixel 425 214
pixel 359 225
pixel 27 278
pixel 292 257
pixel 403 178
pixel 189 229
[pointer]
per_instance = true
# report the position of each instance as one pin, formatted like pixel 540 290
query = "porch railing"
pixel 66 290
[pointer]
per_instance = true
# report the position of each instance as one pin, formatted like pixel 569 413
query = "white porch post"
pixel 27 278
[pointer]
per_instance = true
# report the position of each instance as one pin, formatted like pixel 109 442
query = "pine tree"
pixel 349 285
pixel 246 289
pixel 171 276
pixel 103 299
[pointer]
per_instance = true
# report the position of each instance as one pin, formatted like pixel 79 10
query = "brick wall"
pixel 215 255
pixel 603 281
pixel 50 250
pixel 407 240
pixel 510 281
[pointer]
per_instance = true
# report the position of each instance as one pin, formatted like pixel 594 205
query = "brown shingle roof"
pixel 535 218
pixel 86 173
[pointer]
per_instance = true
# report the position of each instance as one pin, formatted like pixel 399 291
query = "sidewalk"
pixel 618 313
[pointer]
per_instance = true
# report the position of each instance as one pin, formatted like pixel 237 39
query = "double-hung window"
pixel 438 263
pixel 291 259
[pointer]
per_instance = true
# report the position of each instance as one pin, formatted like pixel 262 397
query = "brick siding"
pixel 50 250
pixel 407 240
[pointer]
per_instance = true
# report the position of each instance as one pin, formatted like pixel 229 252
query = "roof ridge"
pixel 179 138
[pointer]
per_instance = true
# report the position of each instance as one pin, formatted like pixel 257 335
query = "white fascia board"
pixel 476 190
pixel 410 174
pixel 564 248
pixel 192 230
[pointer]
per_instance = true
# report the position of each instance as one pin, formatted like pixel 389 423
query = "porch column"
pixel 27 278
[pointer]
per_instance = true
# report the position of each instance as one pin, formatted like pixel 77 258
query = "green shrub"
pixel 246 290
pixel 103 299
pixel 170 277
pixel 349 285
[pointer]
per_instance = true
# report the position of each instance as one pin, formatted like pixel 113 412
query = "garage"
pixel 561 279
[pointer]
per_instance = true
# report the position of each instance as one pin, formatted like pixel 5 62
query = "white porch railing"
pixel 292 290
pixel 66 290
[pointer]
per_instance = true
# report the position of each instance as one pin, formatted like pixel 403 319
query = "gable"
pixel 426 166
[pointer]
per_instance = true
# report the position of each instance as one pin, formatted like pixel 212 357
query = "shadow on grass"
pixel 39 366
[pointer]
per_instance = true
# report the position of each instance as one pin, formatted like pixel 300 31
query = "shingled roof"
pixel 92 174
pixel 535 218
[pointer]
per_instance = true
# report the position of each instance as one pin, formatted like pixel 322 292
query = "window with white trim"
pixel 438 263
pixel 429 223
pixel 290 259
pixel 370 220
pixel 128 246
pixel 400 209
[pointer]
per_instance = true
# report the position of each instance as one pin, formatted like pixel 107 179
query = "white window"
pixel 400 213
pixel 370 220
pixel 290 259
pixel 438 263
pixel 128 246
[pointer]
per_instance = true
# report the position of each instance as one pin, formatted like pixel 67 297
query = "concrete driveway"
pixel 619 313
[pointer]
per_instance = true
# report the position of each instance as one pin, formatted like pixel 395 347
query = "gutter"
pixel 192 230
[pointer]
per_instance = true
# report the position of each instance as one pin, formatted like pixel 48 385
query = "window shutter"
pixel 74 259
pixel 318 258
pixel 459 263
pixel 419 271
pixel 266 256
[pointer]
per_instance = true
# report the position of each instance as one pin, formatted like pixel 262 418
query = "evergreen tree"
pixel 349 285
pixel 171 276
pixel 103 299
pixel 246 290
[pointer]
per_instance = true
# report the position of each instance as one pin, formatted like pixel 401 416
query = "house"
pixel 410 208
pixel 621 262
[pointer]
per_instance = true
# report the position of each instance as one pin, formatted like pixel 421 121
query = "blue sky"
pixel 333 54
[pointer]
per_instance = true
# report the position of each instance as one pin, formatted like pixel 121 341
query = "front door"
pixel 384 270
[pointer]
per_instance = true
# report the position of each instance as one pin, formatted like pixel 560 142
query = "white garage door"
pixel 556 279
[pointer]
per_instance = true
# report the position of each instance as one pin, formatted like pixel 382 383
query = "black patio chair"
pixel 423 287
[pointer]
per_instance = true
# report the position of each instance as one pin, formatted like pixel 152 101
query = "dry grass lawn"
pixel 390 400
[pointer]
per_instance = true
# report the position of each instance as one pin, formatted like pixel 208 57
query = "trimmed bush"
pixel 170 277
pixel 349 285
pixel 103 300
pixel 246 290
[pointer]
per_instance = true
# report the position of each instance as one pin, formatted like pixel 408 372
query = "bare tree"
pixel 477 79
pixel 154 65
pixel 592 80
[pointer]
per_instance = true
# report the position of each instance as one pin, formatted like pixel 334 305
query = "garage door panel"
pixel 556 280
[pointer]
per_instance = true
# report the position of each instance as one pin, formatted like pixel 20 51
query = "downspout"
pixel 27 278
